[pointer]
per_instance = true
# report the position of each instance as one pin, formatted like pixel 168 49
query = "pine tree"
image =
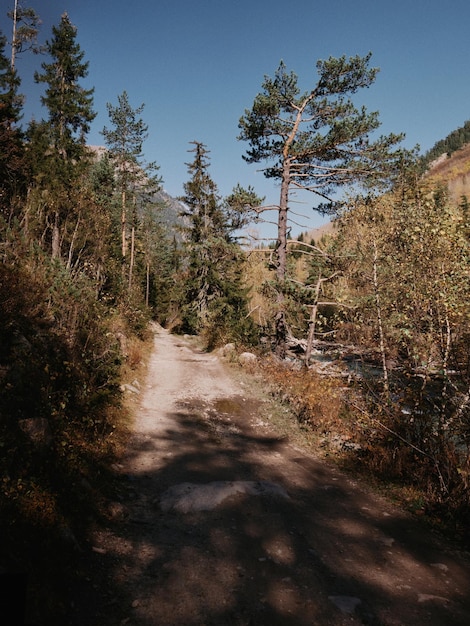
pixel 215 301
pixel 316 141
pixel 26 24
pixel 58 146
pixel 68 103
pixel 137 181
pixel 204 231
pixel 12 165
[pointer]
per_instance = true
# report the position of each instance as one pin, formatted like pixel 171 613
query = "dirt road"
pixel 225 522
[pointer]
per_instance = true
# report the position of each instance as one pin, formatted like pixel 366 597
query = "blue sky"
pixel 197 65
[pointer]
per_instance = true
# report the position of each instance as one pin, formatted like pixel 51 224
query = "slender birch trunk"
pixel 378 309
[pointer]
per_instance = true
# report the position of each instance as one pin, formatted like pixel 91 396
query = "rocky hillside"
pixel 168 209
pixel 454 171
pixel 171 209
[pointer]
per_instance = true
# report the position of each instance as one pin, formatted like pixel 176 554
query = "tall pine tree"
pixel 137 181
pixel 12 174
pixel 317 141
pixel 214 300
pixel 58 146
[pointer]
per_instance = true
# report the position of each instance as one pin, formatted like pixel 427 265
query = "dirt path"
pixel 224 522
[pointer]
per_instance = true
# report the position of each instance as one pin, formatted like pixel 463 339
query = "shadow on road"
pixel 330 554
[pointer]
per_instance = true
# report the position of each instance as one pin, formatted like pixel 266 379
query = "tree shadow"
pixel 330 554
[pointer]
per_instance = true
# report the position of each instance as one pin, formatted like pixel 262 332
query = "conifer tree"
pixel 26 24
pixel 12 174
pixel 69 104
pixel 137 181
pixel 58 146
pixel 316 141
pixel 205 230
pixel 214 300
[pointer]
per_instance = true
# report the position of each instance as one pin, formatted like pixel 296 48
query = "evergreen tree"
pixel 26 24
pixel 137 181
pixel 69 104
pixel 204 232
pixel 12 165
pixel 214 299
pixel 157 259
pixel 58 147
pixel 316 141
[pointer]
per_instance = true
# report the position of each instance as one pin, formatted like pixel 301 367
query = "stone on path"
pixel 346 604
pixel 190 497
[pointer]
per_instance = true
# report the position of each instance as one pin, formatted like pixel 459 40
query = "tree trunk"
pixel 281 262
pixel 56 237
pixel 147 285
pixel 14 41
pixel 378 309
pixel 131 263
pixel 312 322
pixel 123 225
pixel 72 243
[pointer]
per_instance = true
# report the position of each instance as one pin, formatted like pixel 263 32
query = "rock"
pixel 247 358
pixel 123 343
pixel 440 566
pixel 188 497
pixel 130 388
pixel 227 350
pixel 427 597
pixel 346 604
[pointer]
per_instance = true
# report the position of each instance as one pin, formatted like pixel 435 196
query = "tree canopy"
pixel 316 140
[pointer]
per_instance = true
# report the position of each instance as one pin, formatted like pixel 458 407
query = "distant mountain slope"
pixel 454 141
pixel 171 210
pixel 453 171
pixel 168 209
pixel 316 234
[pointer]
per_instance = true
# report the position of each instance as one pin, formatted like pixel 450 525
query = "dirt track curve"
pixel 225 523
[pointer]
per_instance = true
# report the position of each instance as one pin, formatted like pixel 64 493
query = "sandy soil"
pixel 223 522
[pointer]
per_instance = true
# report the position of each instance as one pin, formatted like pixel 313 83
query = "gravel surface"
pixel 222 521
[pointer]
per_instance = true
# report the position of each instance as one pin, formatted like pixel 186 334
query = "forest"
pixel 89 259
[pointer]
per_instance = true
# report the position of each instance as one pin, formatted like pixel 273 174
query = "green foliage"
pixel 214 300
pixel 320 131
pixel 407 279
pixel 69 105
pixel 26 24
pixel 57 152
pixel 12 162
pixel 455 140
pixel 57 363
pixel 136 182
pixel 317 141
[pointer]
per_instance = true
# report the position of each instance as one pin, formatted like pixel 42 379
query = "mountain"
pixel 453 171
pixel 170 212
pixel 454 141
pixel 316 234
pixel 168 209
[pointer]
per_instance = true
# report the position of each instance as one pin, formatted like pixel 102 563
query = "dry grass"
pixel 312 410
pixel 454 172
pixel 340 423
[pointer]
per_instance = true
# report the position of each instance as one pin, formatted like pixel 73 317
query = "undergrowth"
pixel 351 424
pixel 63 357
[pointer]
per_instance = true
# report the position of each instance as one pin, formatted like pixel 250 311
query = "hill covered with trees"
pixel 453 142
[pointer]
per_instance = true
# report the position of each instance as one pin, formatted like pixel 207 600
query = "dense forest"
pixel 89 259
